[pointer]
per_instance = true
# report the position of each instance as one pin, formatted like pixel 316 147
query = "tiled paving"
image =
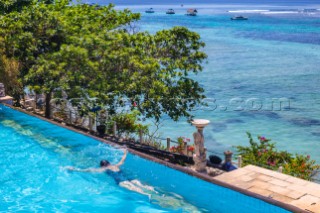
pixel 283 188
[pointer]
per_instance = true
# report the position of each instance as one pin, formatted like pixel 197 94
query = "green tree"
pixel 90 51
pixel 9 72
pixel 8 6
pixel 36 36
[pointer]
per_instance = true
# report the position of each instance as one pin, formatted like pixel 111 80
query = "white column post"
pixel 200 157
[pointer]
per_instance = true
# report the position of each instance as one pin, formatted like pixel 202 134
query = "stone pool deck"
pixel 302 194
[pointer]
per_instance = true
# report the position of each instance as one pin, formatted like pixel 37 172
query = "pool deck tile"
pixel 260 191
pixel 280 190
pixel 297 181
pixel 279 182
pixel 308 202
pixel 295 194
pixel 261 184
pixel 282 198
pixel 264 177
pixel 280 187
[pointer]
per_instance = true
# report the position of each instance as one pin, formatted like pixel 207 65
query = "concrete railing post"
pixel 185 148
pixel 168 144
pixel 141 135
pixel 228 156
pixel 90 123
pixel 239 161
pixel 114 129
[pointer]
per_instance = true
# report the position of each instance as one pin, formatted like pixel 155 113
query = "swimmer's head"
pixel 104 163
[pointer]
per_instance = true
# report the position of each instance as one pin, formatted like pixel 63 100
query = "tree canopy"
pixel 92 51
pixel 8 6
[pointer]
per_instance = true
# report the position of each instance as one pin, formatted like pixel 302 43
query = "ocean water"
pixel 33 154
pixel 252 66
pixel 215 2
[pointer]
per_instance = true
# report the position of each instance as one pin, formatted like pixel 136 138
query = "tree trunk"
pixel 48 106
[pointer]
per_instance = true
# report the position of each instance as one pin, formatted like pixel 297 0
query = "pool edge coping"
pixel 180 168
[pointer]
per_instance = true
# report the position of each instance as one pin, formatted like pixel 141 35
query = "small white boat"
pixel 150 10
pixel 170 12
pixel 239 18
pixel 192 12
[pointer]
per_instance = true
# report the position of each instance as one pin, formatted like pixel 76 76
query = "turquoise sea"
pixel 273 56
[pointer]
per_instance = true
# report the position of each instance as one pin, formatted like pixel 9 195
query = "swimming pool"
pixel 32 156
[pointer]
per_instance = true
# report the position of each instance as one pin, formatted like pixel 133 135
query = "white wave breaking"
pixel 247 11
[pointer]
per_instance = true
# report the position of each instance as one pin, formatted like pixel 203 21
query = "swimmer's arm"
pixel 92 170
pixel 123 158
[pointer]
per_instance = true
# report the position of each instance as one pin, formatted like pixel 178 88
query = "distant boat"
pixel 192 12
pixel 239 18
pixel 150 10
pixel 170 12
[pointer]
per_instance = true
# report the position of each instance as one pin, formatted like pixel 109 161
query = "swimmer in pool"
pixel 167 201
pixel 104 166
pixel 115 172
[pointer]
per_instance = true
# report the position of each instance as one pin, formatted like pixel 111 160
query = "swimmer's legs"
pixel 139 184
pixel 172 202
pixel 132 187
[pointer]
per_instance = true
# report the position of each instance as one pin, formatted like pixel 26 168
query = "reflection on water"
pixel 42 140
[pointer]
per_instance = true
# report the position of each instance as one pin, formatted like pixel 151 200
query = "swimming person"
pixel 105 165
pixel 115 172
pixel 172 201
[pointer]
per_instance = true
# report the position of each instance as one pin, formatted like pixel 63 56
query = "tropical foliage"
pixel 263 153
pixel 94 52
pixel 128 123
pixel 9 72
pixel 8 6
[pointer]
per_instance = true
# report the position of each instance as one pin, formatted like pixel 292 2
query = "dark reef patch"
pixel 248 114
pixel 268 114
pixel 234 120
pixel 218 127
pixel 305 121
pixel 316 133
pixel 239 87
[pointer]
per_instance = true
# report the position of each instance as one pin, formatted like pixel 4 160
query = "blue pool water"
pixel 33 154
pixel 272 56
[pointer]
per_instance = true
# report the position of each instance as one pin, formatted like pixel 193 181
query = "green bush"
pixel 264 154
pixel 127 123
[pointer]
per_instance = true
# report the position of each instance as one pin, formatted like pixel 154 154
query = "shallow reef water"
pixel 263 72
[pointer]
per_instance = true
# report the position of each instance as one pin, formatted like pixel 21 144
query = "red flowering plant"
pixel 191 149
pixel 181 145
pixel 264 154
pixel 302 167
pixel 173 149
